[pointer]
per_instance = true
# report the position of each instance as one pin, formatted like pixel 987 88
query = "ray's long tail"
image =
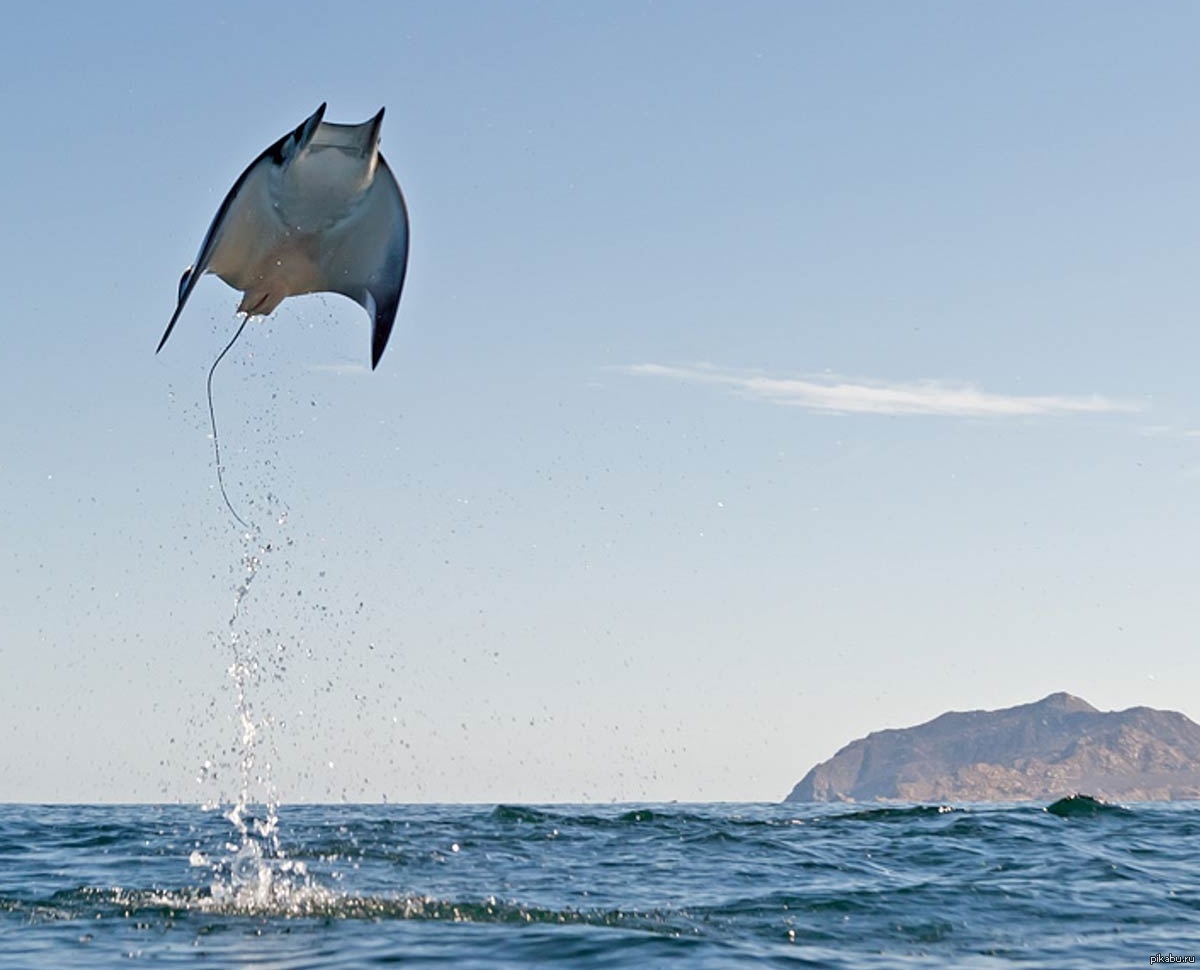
pixel 212 418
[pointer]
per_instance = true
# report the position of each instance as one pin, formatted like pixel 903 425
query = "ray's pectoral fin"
pixel 380 298
pixel 380 292
pixel 381 303
pixel 187 283
pixel 275 156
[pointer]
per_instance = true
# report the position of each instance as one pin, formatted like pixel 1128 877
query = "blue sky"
pixel 767 374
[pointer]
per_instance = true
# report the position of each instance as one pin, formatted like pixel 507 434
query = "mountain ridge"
pixel 1046 749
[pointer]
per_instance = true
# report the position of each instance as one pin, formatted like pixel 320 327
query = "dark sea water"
pixel 345 886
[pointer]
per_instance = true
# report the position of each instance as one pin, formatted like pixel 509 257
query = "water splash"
pixel 245 671
pixel 256 875
pixel 258 878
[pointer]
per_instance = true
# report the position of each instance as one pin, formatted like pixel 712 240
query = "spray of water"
pixel 255 875
pixel 253 872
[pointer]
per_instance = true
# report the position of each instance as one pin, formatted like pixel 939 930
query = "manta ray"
pixel 317 212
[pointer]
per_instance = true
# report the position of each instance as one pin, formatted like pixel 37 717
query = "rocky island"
pixel 1051 748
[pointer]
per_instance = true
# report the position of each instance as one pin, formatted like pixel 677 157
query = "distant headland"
pixel 1051 748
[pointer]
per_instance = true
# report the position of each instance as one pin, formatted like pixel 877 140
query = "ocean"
pixel 589 886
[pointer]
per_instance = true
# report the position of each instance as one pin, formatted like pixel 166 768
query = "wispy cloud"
pixel 347 368
pixel 842 395
pixel 1169 431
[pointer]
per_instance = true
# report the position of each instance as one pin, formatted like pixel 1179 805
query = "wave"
pixel 898 813
pixel 312 901
pixel 1085 806
pixel 519 814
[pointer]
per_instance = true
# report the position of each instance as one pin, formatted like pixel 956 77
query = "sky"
pixel 766 374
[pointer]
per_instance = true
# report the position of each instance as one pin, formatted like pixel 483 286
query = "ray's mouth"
pixel 260 307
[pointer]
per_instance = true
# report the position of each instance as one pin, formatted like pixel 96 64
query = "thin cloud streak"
pixel 1169 431
pixel 337 368
pixel 840 395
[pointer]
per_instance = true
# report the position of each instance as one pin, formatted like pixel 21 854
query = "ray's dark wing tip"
pixel 383 296
pixel 170 327
pixel 186 283
pixel 384 318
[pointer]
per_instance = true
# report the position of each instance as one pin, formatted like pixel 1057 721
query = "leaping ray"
pixel 317 212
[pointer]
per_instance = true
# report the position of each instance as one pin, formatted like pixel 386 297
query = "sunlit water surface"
pixel 342 886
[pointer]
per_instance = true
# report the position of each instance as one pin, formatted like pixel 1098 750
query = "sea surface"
pixel 687 885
